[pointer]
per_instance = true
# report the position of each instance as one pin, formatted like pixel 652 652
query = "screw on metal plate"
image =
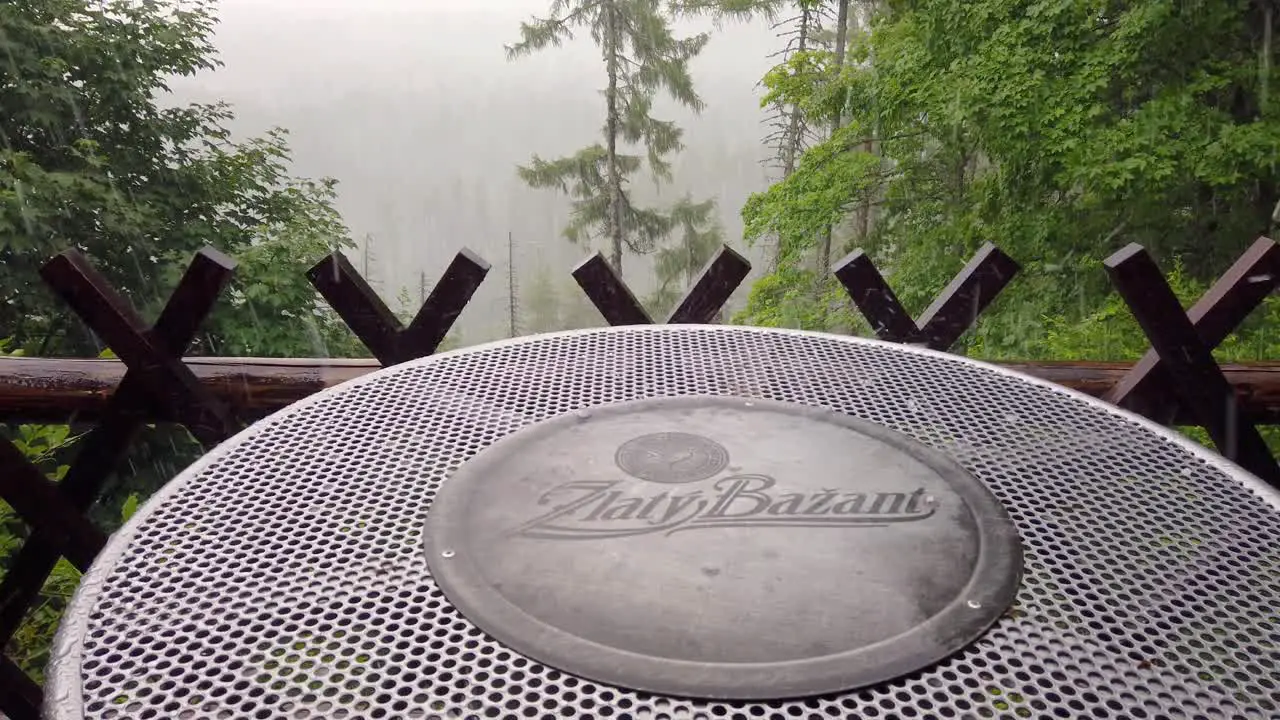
pixel 447 553
pixel 583 414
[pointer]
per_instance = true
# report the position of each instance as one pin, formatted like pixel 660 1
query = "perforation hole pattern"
pixel 285 579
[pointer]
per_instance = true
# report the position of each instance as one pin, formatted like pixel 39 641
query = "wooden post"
pixel 374 323
pixel 619 306
pixel 953 312
pixel 1196 377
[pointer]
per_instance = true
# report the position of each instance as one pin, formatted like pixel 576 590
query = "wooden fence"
pixel 1177 381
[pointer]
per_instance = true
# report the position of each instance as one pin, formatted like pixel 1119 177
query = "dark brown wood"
pixel 358 305
pixel 1188 361
pixel 101 450
pixel 373 322
pixel 58 390
pixel 619 306
pixel 36 500
pixel 608 293
pixel 110 317
pixel 717 282
pixel 443 306
pixel 953 312
pixel 972 290
pixel 51 390
pixel 20 696
pixel 874 298
pixel 1215 316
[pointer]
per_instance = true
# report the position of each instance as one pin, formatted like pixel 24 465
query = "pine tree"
pixel 513 325
pixel 676 266
pixel 576 309
pixel 541 304
pixel 369 261
pixel 801 26
pixel 790 133
pixel 641 57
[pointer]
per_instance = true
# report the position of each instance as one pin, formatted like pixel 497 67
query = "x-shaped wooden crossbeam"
pixel 619 306
pixel 56 511
pixel 1186 357
pixel 20 697
pixel 374 323
pixel 37 502
pixel 953 312
pixel 1215 316
pixel 169 382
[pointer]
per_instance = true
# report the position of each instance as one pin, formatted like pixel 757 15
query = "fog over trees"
pixel 417 112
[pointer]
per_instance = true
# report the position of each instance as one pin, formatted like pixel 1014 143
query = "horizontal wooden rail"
pixel 55 389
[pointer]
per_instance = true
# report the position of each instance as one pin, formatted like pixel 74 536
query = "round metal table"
pixel 299 571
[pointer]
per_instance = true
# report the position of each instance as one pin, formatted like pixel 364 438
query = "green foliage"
pixel 1059 131
pixel 676 266
pixel 130 507
pixel 31 645
pixel 797 297
pixel 43 444
pixel 799 209
pixel 736 9
pixel 90 159
pixel 272 309
pixel 549 307
pixel 641 57
pixel 585 177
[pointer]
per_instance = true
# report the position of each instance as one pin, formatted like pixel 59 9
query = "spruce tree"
pixel 640 57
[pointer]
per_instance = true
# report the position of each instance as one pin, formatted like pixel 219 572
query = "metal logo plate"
pixel 722 548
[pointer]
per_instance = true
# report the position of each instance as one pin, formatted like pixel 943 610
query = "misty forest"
pixel 539 132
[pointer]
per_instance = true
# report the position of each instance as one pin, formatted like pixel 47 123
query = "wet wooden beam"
pixel 56 389
pixel 20 697
pixel 952 313
pixel 719 279
pixel 1235 295
pixel 615 301
pixel 102 449
pixel 373 322
pixel 619 306
pixel 70 275
pixel 37 501
pixel 1197 380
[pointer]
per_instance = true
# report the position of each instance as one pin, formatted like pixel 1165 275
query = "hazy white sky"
pixel 275 41
pixel 405 101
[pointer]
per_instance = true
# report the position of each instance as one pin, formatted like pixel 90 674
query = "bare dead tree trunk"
pixel 795 130
pixel 511 285
pixel 613 223
pixel 842 49
pixel 842 41
pixel 1264 55
pixel 871 147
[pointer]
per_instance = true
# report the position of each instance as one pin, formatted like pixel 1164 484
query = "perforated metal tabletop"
pixel 990 546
